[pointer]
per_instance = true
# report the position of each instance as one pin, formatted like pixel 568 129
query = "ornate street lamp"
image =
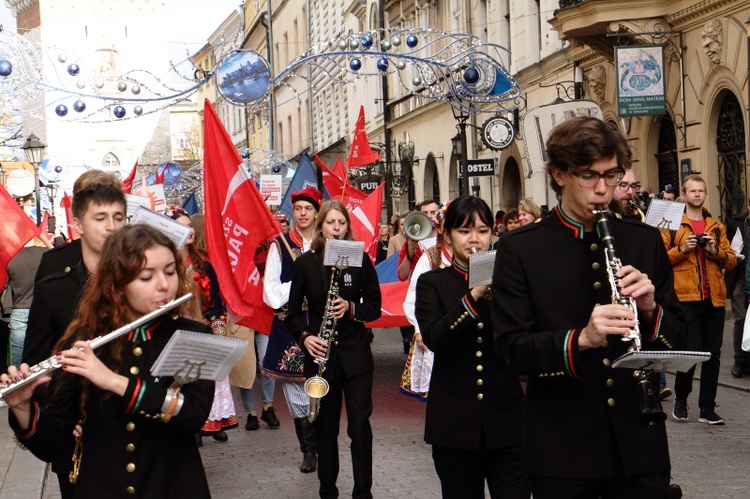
pixel 34 149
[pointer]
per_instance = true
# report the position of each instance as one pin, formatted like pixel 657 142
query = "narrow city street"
pixel 707 461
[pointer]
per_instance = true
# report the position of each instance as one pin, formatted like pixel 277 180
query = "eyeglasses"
pixel 624 186
pixel 589 178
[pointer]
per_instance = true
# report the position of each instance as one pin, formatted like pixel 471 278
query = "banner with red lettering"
pixel 16 229
pixel 237 222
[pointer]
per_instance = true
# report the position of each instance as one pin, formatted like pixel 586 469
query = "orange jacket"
pixel 687 279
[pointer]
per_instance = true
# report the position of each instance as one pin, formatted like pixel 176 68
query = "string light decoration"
pixel 457 69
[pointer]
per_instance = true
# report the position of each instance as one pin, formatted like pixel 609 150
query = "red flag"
pixel 360 153
pixel 67 203
pixel 127 184
pixel 237 221
pixel 42 228
pixel 16 229
pixel 340 170
pixel 159 177
pixel 366 221
pixel 350 196
pixel 392 308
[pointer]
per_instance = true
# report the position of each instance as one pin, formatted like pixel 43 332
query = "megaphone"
pixel 417 226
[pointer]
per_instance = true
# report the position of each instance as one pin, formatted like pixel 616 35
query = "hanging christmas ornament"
pixel 355 64
pixel 81 84
pixel 366 41
pixel 382 64
pixel 138 110
pixel 471 75
pixel 400 64
pixel 135 89
pixel 396 41
pixel 61 110
pixel 6 68
pixel 119 112
pixel 353 44
pixel 343 44
pixel 122 86
pixel 62 58
pixel 73 69
pixel 79 106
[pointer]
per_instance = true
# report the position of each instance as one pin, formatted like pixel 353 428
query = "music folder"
pixel 676 360
pixel 189 356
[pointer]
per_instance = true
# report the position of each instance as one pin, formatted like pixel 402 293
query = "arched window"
pixel 431 179
pixel 110 161
pixel 730 143
pixel 666 158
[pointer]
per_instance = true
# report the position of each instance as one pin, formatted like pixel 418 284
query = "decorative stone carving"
pixel 598 82
pixel 711 40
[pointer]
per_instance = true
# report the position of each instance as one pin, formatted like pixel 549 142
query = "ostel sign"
pixel 481 167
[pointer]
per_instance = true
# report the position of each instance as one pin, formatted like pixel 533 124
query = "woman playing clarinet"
pixel 475 405
pixel 349 367
pixel 137 438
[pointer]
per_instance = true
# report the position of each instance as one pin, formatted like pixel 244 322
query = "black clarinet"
pixel 651 410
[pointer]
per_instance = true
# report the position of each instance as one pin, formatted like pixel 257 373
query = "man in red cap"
pixel 283 359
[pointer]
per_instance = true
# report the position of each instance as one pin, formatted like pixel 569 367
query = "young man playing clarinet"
pixel 554 321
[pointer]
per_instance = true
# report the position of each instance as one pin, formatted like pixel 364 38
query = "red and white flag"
pixel 341 190
pixel 159 176
pixel 127 184
pixel 16 229
pixel 237 222
pixel 360 154
pixel 366 221
pixel 66 203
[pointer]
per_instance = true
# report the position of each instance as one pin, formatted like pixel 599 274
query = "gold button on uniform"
pixel 134 370
pixel 480 325
pixel 480 339
pixel 479 353
pixel 607 362
pixel 137 351
pixel 610 382
pixel 480 382
pixel 480 368
pixel 130 426
pixel 130 490
pixel 595 265
pixel 597 285
pixel 611 402
pixel 605 344
pixel 130 467
pixel 594 247
pixel 480 396
pixel 130 447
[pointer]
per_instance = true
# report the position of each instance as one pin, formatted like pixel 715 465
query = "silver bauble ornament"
pixel 416 81
pixel 122 86
pixel 400 64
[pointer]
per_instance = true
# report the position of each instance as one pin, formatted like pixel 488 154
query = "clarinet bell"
pixel 651 411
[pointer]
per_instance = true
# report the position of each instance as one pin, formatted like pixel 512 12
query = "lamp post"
pixel 51 193
pixel 34 149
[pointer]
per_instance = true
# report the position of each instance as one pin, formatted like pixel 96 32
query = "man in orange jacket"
pixel 699 252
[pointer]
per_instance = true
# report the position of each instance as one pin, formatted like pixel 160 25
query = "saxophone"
pixel 651 410
pixel 317 387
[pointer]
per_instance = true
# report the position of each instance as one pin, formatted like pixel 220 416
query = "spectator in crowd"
pixel 397 240
pixel 511 221
pixel 738 229
pixel 384 236
pixel 528 211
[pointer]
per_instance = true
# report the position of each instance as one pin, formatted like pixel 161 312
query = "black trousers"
pixel 357 394
pixel 463 473
pixel 650 486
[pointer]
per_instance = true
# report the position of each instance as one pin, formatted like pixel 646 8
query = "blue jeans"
pixel 19 318
pixel 705 332
pixel 267 385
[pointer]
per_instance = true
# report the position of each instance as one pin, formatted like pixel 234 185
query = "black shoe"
pixel 269 416
pixel 709 416
pixel 252 423
pixel 220 436
pixel 737 370
pixel 680 410
pixel 675 491
pixel 198 440
pixel 309 462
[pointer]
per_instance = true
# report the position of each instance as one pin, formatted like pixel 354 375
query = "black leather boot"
pixel 198 439
pixel 306 437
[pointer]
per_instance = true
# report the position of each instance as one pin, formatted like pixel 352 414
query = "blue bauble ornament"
pixel 276 168
pixel 73 69
pixel 6 68
pixel 119 111
pixel 355 64
pixel 79 106
pixel 58 169
pixel 61 110
pixel 382 64
pixel 471 75
pixel 366 41
pixel 245 154
pixel 411 41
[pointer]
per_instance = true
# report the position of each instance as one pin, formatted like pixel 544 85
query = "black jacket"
pixel 582 416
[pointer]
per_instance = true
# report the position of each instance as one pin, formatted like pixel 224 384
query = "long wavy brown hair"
pixel 103 307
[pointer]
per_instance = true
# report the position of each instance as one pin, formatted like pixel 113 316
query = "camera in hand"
pixel 701 241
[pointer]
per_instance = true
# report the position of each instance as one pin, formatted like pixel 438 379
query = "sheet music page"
pixel 175 231
pixel 350 253
pixel 199 355
pixel 675 360
pixel 481 267
pixel 665 215
pixel 738 244
pixel 134 202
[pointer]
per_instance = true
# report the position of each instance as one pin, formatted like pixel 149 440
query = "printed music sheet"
pixel 199 356
pixel 481 266
pixel 175 231
pixel 346 253
pixel 673 360
pixel 666 215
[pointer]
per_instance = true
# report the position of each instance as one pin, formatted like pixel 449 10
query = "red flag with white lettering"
pixel 360 153
pixel 127 184
pixel 16 229
pixel 366 221
pixel 237 221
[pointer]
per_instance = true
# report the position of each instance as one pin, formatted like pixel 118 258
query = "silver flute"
pixel 52 364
